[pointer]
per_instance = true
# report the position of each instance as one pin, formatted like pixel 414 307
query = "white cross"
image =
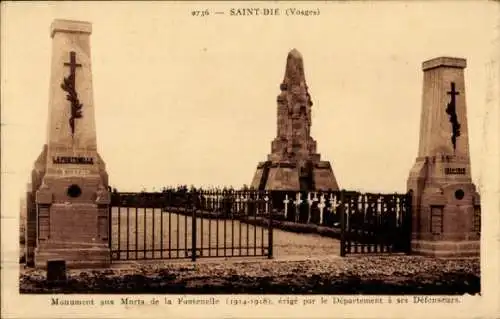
pixel 360 203
pixel 256 202
pixel 286 201
pixel 321 207
pixel 310 201
pixel 266 199
pixel 315 198
pixel 297 203
pixel 245 203
pixel 239 200
pixel 212 201
pixel 398 207
pixel 334 202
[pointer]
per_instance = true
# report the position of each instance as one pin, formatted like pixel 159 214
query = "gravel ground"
pixel 327 275
pixel 293 245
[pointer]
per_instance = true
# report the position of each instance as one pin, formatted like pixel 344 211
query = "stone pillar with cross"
pixel 69 180
pixel 445 204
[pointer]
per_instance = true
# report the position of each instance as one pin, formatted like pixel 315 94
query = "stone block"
pixel 323 176
pixel 283 176
pixel 56 270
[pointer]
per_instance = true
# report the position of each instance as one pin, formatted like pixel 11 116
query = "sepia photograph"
pixel 175 153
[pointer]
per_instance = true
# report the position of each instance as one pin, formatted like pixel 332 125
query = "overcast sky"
pixel 190 100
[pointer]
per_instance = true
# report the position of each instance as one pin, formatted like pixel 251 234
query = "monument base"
pixel 74 258
pixel 283 176
pixel 288 176
pixel 74 232
pixel 324 179
pixel 470 248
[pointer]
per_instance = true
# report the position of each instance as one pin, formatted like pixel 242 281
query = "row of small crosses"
pixel 335 203
pixel 242 199
pixel 310 200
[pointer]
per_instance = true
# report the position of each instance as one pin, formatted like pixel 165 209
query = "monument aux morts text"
pixel 293 163
pixel 446 206
pixel 68 199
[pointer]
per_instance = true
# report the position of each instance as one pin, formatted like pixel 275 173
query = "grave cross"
pixel 335 202
pixel 321 206
pixel 297 203
pixel 310 201
pixel 286 201
pixel 266 199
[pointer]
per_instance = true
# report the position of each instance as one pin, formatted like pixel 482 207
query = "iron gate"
pixel 189 224
pixel 375 223
pixel 365 223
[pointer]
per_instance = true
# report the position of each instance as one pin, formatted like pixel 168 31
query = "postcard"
pixel 279 159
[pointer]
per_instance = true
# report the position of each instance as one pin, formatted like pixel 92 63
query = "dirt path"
pixel 288 245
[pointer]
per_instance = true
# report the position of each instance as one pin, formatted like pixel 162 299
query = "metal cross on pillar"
pixel 451 111
pixel 72 65
pixel 69 85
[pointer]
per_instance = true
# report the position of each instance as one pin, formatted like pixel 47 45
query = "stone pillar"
pixel 69 180
pixel 31 219
pixel 445 204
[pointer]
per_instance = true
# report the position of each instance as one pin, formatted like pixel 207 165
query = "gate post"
pixel 270 229
pixel 342 224
pixel 110 225
pixel 408 218
pixel 193 226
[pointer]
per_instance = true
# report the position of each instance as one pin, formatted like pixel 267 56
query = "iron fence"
pixel 182 223
pixel 188 224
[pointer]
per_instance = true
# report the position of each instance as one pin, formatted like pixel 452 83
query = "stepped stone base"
pixel 287 176
pixel 75 258
pixel 323 177
pixel 469 248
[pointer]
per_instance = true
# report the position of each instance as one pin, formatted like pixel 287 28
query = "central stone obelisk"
pixel 445 204
pixel 69 179
pixel 293 163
